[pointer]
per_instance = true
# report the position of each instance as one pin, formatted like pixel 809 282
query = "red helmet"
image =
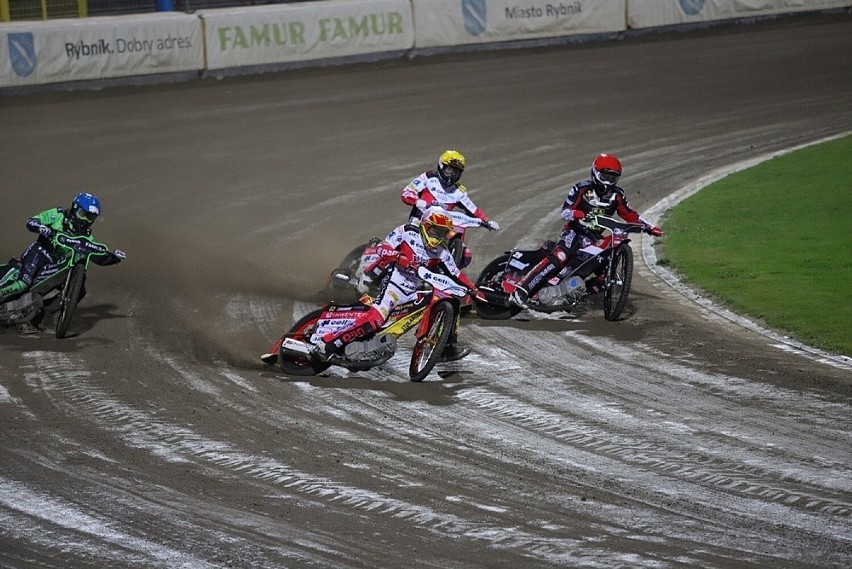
pixel 606 170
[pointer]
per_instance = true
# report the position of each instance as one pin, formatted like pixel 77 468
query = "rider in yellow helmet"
pixel 441 188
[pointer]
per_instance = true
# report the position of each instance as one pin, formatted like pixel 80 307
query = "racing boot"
pixel 271 358
pixel 519 297
pixel 12 289
pixel 596 284
pixel 536 278
pixel 324 351
pixel 453 352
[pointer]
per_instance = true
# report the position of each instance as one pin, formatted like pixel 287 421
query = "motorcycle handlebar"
pixel 598 221
pixel 82 245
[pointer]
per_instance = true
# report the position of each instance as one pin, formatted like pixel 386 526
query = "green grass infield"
pixel 775 243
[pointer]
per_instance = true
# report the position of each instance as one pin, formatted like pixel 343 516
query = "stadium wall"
pixel 89 52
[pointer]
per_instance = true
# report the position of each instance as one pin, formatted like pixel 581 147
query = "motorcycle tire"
pixel 349 265
pixel 302 330
pixel 491 276
pixel 427 350
pixel 456 247
pixel 618 282
pixel 69 299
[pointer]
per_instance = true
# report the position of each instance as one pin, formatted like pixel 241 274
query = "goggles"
pixel 452 172
pixel 608 176
pixel 438 232
pixel 85 216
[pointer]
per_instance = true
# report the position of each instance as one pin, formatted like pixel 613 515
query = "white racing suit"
pixel 404 247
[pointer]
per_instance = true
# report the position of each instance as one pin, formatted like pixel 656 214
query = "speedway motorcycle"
pixel 605 263
pixel 359 271
pixel 433 313
pixel 57 291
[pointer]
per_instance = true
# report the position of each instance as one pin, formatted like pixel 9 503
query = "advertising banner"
pixel 304 31
pixel 57 51
pixel 653 13
pixel 458 22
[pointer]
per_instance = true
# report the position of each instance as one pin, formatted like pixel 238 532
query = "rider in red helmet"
pixel 599 195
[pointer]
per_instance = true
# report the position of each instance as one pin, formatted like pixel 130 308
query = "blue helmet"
pixel 85 209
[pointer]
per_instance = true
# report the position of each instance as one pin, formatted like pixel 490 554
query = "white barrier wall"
pixel 654 13
pixel 298 32
pixel 57 51
pixel 458 22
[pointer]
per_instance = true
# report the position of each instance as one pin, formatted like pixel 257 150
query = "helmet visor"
pixel 451 172
pixel 434 235
pixel 608 176
pixel 85 216
pixel 438 232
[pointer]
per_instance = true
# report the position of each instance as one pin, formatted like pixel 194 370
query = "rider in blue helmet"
pixel 42 255
pixel 85 209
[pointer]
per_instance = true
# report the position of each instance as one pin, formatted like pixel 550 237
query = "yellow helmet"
pixel 450 166
pixel 436 229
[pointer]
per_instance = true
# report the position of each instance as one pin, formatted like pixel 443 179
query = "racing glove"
pixel 491 225
pixel 119 254
pixel 422 204
pixel 405 260
pixel 387 255
pixel 578 214
pixel 654 230
pixel 45 231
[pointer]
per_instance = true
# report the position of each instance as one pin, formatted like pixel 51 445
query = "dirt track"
pixel 673 438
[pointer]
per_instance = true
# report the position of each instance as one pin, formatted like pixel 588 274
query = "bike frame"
pixel 407 315
pixel 81 250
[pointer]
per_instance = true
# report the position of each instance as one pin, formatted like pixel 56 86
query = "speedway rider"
pixel 43 256
pixel 407 247
pixel 597 195
pixel 441 188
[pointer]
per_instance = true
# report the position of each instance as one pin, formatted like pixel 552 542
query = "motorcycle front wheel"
pixel 69 299
pixel 302 330
pixel 491 277
pixel 428 349
pixel 618 281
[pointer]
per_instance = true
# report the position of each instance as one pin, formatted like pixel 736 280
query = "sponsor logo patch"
pixel 691 7
pixel 473 12
pixel 22 54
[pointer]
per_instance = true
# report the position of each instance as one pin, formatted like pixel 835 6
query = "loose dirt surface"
pixel 674 438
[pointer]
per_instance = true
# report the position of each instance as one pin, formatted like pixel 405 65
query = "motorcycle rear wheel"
pixel 491 276
pixel 302 330
pixel 69 299
pixel 350 264
pixel 428 349
pixel 618 282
